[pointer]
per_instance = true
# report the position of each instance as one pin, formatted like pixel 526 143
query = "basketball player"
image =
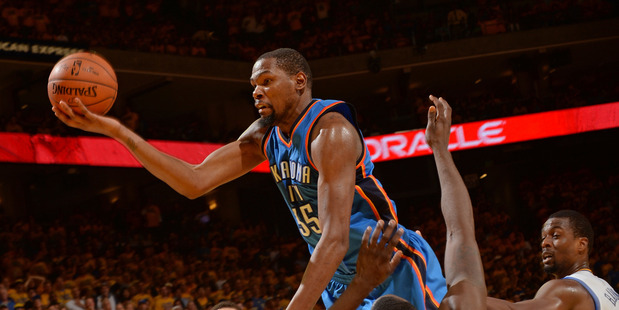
pixel 321 165
pixel 567 239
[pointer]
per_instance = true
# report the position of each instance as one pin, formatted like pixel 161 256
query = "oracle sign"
pixel 499 131
pixel 98 151
pixel 413 143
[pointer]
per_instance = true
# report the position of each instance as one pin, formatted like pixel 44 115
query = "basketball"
pixel 87 76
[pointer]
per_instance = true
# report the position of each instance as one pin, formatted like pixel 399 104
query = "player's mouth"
pixel 546 257
pixel 263 108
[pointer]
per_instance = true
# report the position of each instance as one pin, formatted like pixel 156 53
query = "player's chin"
pixel 549 268
pixel 267 120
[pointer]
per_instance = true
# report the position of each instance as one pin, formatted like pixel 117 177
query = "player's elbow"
pixel 192 195
pixel 337 245
pixel 192 191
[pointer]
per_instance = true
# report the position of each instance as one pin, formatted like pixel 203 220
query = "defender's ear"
pixel 583 245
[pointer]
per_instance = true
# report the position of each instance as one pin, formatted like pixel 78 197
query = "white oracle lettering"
pixel 374 148
pixel 488 132
pixel 611 295
pixel 419 143
pixel 395 144
pixel 284 170
pixel 461 139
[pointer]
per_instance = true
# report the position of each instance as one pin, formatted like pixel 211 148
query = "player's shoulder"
pixel 569 293
pixel 255 132
pixel 332 121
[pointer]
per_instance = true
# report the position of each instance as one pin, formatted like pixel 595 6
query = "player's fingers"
pixel 387 233
pixel 395 260
pixel 66 109
pixel 395 239
pixel 366 237
pixel 437 102
pixel 431 114
pixel 60 114
pixel 80 106
pixel 446 107
pixel 377 231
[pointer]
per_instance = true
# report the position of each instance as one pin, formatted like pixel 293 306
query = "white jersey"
pixel 603 294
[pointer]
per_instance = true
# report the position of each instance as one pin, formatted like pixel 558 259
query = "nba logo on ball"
pixel 87 76
pixel 75 70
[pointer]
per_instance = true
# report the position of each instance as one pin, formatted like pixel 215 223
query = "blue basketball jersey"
pixel 296 177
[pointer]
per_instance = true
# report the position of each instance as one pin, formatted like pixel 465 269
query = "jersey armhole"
pixel 265 140
pixel 348 111
pixel 588 289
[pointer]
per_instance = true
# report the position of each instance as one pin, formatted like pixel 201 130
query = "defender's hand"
pixel 377 260
pixel 439 124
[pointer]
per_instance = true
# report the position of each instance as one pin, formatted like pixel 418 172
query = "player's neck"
pixel 577 266
pixel 290 121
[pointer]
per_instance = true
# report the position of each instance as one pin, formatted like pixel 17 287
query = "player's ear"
pixel 583 245
pixel 301 80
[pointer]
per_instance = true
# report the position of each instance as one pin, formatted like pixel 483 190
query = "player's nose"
pixel 257 93
pixel 545 242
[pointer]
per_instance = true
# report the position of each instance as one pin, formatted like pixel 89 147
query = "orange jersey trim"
pixel 382 190
pixel 369 201
pixel 309 131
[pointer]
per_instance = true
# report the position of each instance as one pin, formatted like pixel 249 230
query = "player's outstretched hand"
pixel 377 260
pixel 84 119
pixel 439 124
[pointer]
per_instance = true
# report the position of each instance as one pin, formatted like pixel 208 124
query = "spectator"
pixel 6 302
pixel 78 299
pixel 457 22
pixel 105 298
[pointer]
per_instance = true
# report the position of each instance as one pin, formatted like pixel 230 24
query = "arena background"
pixel 198 98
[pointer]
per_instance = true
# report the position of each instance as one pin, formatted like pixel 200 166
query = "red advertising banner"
pixel 100 151
pixel 499 131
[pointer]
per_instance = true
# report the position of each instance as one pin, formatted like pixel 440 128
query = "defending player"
pixel 321 165
pixel 463 266
pixel 567 239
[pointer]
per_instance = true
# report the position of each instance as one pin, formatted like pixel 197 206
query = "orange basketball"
pixel 86 76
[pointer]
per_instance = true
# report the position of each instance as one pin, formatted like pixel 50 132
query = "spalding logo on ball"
pixel 87 76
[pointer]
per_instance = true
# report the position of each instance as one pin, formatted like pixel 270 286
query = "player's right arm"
pixel 463 267
pixel 225 164
pixel 553 295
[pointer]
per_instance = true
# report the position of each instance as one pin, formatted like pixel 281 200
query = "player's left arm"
pixel 335 148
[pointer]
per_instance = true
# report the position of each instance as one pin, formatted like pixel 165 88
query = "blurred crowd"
pixel 242 30
pixel 168 257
